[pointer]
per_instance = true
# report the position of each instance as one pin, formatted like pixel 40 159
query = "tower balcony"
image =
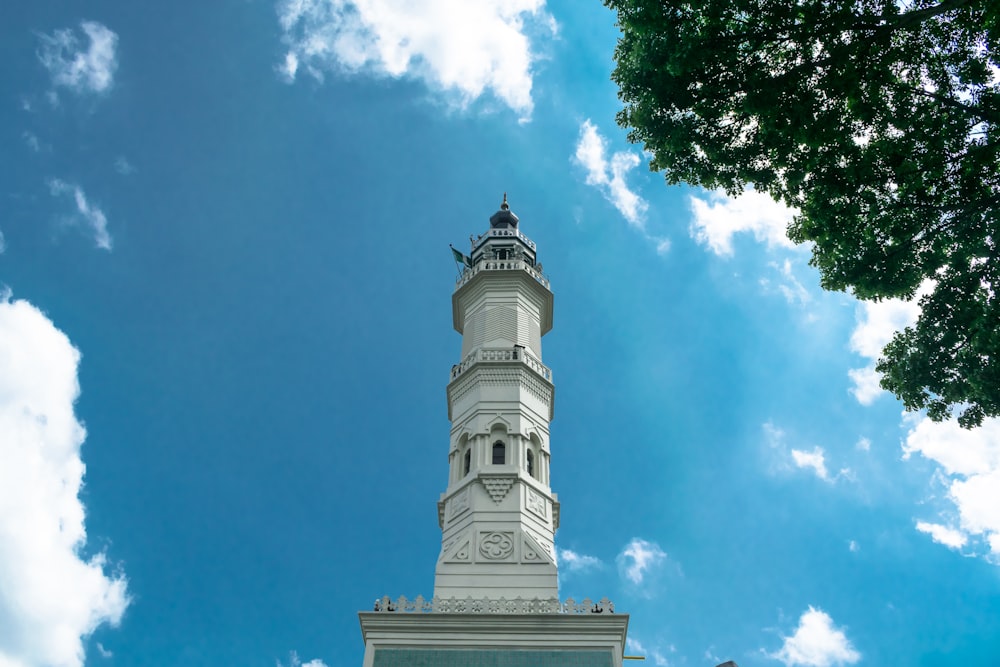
pixel 501 355
pixel 484 264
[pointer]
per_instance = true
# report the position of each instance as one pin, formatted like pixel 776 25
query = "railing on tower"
pixel 502 354
pixel 495 233
pixel 501 265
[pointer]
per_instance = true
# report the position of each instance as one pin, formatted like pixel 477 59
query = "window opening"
pixel 468 461
pixel 531 463
pixel 499 453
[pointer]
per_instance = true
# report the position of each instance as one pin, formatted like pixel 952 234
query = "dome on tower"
pixel 503 218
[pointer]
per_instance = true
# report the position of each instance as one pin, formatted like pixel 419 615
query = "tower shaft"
pixel 498 514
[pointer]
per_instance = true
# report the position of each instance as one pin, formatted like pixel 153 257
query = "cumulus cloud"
pixel 970 464
pixel 295 661
pixel 83 68
pixel 608 175
pixel 816 643
pixel 86 213
pixel 466 48
pixel 638 558
pixel 571 561
pixel 877 322
pixel 814 459
pixel 54 595
pixel 718 217
pixel 941 534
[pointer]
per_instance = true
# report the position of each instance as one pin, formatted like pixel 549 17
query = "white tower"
pixel 498 515
pixel 495 598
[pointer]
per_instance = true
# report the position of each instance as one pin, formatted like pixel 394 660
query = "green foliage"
pixel 880 124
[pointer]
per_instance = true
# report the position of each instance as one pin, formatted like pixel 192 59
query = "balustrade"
pixel 501 354
pixel 500 265
pixel 470 605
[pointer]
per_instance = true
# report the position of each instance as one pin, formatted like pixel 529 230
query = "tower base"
pixel 397 639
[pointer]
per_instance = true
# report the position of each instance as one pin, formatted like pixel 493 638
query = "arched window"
pixel 468 462
pixel 499 453
pixel 531 463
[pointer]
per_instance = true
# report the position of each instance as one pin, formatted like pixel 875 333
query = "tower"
pixel 498 515
pixel 495 600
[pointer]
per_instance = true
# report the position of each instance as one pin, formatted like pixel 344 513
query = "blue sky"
pixel 225 335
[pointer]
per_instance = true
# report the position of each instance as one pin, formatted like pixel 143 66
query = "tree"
pixel 880 124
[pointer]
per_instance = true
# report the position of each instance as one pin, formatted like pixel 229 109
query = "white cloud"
pixel 571 561
pixel 816 643
pixel 466 48
pixel 608 176
pixel 877 322
pixel 295 661
pixel 853 547
pixel 123 166
pixel 81 69
pixel 970 462
pixel 718 217
pixel 638 558
pixel 635 647
pixel 53 595
pixel 863 444
pixel 814 459
pixel 89 214
pixel 31 139
pixel 105 653
pixel 959 451
pixel 790 287
pixel 941 534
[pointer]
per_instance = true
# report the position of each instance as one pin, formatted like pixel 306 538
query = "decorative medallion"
pixel 498 487
pixel 537 504
pixel 497 545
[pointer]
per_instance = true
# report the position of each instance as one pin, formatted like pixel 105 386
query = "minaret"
pixel 498 514
pixel 495 598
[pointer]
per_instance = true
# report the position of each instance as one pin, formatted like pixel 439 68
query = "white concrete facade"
pixel 498 514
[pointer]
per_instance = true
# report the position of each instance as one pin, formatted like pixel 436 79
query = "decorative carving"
pixel 460 553
pixel 497 545
pixel 537 504
pixel 492 606
pixel 458 503
pixel 497 487
pixel 500 377
pixel 535 550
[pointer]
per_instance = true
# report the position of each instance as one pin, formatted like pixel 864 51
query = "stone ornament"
pixel 498 487
pixel 536 504
pixel 496 545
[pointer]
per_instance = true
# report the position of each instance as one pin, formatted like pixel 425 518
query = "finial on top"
pixel 504 206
